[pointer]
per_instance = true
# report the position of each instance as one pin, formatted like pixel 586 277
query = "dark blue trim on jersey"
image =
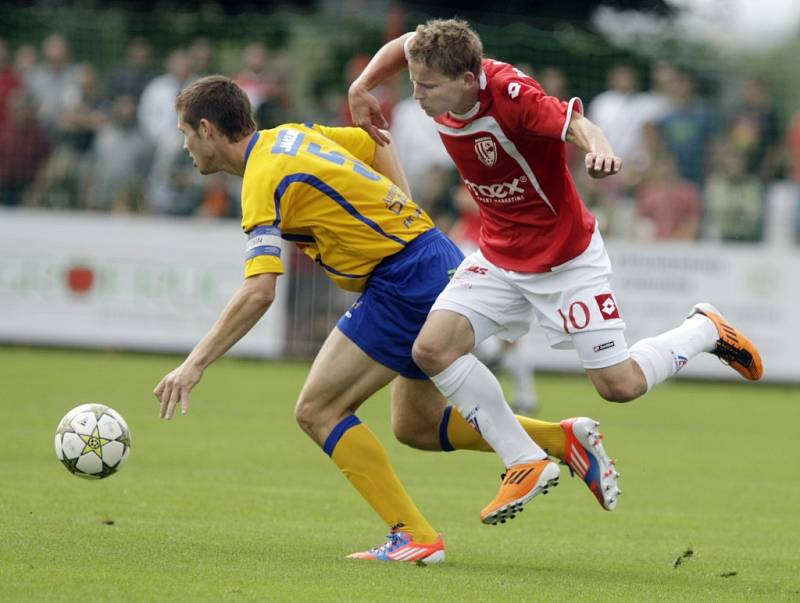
pixel 336 272
pixel 309 124
pixel 250 146
pixel 326 189
pixel 298 238
pixel 278 195
pixel 444 442
pixel 337 433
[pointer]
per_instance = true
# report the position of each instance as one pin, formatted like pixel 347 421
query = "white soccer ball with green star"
pixel 93 441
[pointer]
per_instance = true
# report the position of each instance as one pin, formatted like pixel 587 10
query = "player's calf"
pixel 622 382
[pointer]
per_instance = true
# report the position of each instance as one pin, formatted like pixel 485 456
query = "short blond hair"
pixel 448 46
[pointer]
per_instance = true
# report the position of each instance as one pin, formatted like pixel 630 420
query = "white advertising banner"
pixel 757 288
pixel 123 282
pixel 150 283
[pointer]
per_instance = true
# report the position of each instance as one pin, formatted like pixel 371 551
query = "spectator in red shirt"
pixel 24 146
pixel 667 206
pixel 793 144
pixel 9 79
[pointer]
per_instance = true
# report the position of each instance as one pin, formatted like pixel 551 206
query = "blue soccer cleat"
pixel 585 455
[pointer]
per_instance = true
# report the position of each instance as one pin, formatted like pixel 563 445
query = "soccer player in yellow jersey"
pixel 325 189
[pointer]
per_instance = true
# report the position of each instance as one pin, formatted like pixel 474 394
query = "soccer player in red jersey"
pixel 541 256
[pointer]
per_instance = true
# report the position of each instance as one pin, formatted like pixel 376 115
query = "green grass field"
pixel 234 503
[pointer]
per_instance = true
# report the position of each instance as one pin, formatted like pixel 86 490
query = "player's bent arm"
pixel 388 163
pixel 242 312
pixel 244 309
pixel 589 137
pixel 364 107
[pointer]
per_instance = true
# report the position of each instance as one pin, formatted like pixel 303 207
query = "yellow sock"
pixel 360 456
pixel 460 435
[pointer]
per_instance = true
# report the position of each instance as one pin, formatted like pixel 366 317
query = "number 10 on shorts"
pixel 578 314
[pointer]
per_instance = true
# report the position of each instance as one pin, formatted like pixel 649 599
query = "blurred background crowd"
pixel 87 119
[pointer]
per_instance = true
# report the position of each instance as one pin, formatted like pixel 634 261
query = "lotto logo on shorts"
pixel 607 305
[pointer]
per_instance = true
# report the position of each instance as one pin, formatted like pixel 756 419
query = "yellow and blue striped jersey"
pixel 312 185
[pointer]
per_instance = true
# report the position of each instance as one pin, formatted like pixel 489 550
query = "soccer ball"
pixel 92 441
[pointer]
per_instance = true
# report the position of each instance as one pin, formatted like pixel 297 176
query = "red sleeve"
pixel 534 110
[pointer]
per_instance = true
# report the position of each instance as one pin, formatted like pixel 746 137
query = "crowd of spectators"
pixel 696 166
pixel 72 139
pixel 694 170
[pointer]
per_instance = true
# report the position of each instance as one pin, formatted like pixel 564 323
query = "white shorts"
pixel 573 303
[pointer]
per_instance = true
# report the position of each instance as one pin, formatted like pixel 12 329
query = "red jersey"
pixel 511 154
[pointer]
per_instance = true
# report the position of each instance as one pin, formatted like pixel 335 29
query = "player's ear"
pixel 205 128
pixel 468 78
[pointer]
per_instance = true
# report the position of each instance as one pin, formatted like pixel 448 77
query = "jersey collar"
pixel 250 146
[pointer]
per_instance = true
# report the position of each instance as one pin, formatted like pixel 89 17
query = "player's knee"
pixel 618 391
pixel 427 355
pixel 305 415
pixel 406 434
pixel 418 434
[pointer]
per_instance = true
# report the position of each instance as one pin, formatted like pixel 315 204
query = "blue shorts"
pixel 387 317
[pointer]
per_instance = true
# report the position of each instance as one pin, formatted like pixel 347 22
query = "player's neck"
pixel 467 103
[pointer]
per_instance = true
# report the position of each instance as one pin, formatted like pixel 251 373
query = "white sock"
pixel 476 393
pixel 662 356
pixel 517 363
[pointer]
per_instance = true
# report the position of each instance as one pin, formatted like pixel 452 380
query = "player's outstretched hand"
pixel 599 165
pixel 366 114
pixel 175 388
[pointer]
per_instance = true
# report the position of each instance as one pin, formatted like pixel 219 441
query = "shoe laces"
pixel 729 353
pixel 394 540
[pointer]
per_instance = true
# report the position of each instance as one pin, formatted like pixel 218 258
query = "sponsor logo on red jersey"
pixel 608 307
pixel 501 192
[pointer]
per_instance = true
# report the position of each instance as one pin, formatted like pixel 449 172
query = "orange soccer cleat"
pixel 520 484
pixel 400 547
pixel 733 348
